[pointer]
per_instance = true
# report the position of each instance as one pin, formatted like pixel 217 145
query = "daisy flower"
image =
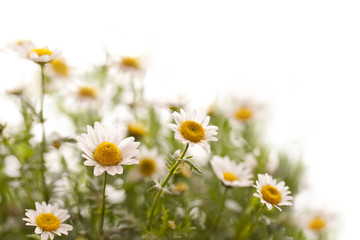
pixel 59 68
pixel 131 63
pixel 41 55
pixel 230 173
pixel 317 222
pixel 246 110
pixel 48 219
pixel 151 164
pixel 271 193
pixel 192 127
pixel 106 150
pixel 136 129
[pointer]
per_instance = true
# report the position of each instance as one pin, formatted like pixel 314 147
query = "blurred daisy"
pixel 230 173
pixel 59 68
pixel 246 110
pixel 151 164
pixel 48 220
pixel 21 46
pixel 131 63
pixel 317 222
pixel 136 129
pixel 106 150
pixel 27 49
pixel 192 127
pixel 88 97
pixel 41 55
pixel 271 193
pixel 173 102
pixel 179 188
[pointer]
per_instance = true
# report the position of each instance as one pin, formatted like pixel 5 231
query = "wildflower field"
pixel 93 158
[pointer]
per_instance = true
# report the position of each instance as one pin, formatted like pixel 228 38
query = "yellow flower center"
pixel 131 62
pixel 271 194
pixel 88 92
pixel 192 131
pixel 147 166
pixel 40 51
pixel 136 129
pixel 60 67
pixel 317 224
pixel 229 177
pixel 48 222
pixel 107 154
pixel 243 114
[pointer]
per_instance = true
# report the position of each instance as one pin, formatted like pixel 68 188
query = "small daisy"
pixel 192 127
pixel 136 129
pixel 60 68
pixel 317 222
pixel 42 55
pixel 246 110
pixel 151 164
pixel 230 173
pixel 48 219
pixel 131 63
pixel 106 150
pixel 271 193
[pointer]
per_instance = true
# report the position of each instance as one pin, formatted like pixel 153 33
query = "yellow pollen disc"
pixel 192 131
pixel 229 177
pixel 147 166
pixel 131 62
pixel 48 222
pixel 107 154
pixel 40 51
pixel 136 129
pixel 243 113
pixel 87 92
pixel 317 224
pixel 271 194
pixel 60 67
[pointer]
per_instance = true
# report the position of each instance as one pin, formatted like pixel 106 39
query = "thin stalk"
pixel 256 219
pixel 223 199
pixel 163 184
pixel 101 224
pixel 43 142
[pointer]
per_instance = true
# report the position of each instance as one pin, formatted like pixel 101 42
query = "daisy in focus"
pixel 192 127
pixel 230 173
pixel 271 193
pixel 48 220
pixel 151 164
pixel 106 149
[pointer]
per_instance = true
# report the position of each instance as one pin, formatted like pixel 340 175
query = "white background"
pixel 303 57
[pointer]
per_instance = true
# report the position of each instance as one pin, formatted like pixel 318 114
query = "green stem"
pixel 163 184
pixel 221 208
pixel 101 224
pixel 256 219
pixel 43 143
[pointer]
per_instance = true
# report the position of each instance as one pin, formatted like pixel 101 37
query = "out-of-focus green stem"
pixel 163 184
pixel 101 223
pixel 43 142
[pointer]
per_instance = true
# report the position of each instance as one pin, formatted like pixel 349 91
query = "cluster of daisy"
pixel 120 149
